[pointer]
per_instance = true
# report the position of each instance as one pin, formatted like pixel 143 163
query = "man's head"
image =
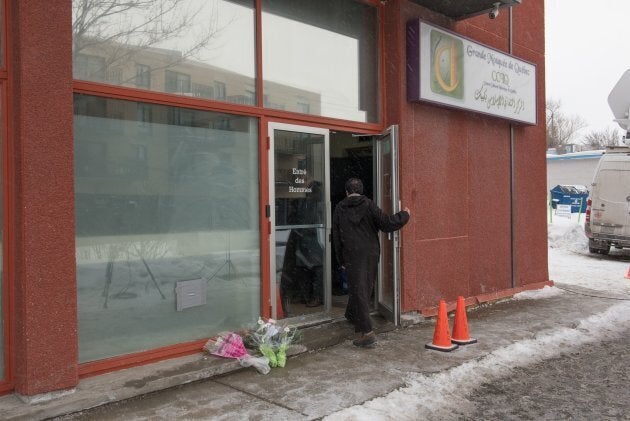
pixel 354 185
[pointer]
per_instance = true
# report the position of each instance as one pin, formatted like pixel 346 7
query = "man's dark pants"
pixel 361 276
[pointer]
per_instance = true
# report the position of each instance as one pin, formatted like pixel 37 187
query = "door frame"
pixel 392 314
pixel 271 127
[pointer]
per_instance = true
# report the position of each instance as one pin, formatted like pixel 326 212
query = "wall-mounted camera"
pixel 495 11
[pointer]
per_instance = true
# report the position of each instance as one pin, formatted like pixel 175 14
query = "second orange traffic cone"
pixel 628 274
pixel 460 327
pixel 442 336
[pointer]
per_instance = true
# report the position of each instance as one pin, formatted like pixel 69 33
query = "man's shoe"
pixel 366 340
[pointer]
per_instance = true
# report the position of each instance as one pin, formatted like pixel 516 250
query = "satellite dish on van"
pixel 619 101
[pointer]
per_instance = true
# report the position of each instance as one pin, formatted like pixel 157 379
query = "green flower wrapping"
pixel 281 355
pixel 267 351
pixel 273 341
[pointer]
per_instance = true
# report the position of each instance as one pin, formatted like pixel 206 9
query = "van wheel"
pixel 593 249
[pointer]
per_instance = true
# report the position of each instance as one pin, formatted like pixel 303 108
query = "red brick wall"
pixel 455 171
pixel 45 330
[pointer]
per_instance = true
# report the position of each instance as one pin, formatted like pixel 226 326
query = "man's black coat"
pixel 356 224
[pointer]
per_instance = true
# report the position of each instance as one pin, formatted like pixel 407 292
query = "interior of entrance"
pixel 299 216
pixel 350 156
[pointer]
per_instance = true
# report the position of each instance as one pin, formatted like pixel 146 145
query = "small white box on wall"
pixel 191 293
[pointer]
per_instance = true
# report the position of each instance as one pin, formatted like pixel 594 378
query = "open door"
pixel 300 221
pixel 386 175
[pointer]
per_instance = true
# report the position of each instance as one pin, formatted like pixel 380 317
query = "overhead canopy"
pixel 462 9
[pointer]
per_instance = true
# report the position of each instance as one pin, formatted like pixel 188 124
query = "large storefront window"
pixel 167 225
pixel 199 48
pixel 321 58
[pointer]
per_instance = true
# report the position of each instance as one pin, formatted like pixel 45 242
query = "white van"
pixel 608 211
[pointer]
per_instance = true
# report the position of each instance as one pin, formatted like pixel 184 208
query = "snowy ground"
pixel 571 263
pixel 573 268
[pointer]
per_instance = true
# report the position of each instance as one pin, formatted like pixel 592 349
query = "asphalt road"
pixel 590 383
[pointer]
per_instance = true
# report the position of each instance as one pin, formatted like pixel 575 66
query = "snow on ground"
pixel 437 396
pixel 546 292
pixel 570 263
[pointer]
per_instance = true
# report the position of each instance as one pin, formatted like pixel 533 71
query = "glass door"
pixel 386 174
pixel 300 218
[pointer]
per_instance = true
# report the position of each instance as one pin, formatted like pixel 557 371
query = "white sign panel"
pixel 451 70
pixel 563 211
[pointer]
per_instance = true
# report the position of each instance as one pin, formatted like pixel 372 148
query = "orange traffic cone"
pixel 628 274
pixel 441 336
pixel 460 327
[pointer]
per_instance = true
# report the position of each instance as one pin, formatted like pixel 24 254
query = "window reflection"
pixel 321 58
pixel 166 206
pixel 180 47
pixel 299 217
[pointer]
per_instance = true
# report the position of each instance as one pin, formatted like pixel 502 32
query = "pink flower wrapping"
pixel 227 345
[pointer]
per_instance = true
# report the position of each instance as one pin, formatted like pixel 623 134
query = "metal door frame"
pixel 391 131
pixel 272 126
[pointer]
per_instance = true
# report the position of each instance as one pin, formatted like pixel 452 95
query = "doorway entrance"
pixel 308 168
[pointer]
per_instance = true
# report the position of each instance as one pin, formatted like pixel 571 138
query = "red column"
pixel 41 119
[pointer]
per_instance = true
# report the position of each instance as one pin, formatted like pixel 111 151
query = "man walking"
pixel 356 224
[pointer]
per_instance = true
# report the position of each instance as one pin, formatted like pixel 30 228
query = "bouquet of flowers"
pixel 273 341
pixel 264 339
pixel 230 345
pixel 227 345
pixel 286 338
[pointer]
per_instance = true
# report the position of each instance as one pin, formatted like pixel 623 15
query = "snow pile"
pixel 567 234
pixel 545 292
pixel 443 395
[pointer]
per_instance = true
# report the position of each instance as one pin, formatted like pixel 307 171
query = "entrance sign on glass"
pixel 300 179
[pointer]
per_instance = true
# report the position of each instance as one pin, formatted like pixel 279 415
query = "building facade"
pixel 169 171
pixel 572 168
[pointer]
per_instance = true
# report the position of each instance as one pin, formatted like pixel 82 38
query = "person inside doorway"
pixel 309 254
pixel 356 225
pixel 303 266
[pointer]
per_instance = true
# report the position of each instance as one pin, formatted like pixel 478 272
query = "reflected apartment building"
pixel 171 72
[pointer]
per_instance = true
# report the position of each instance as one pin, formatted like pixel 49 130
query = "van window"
pixel 613 185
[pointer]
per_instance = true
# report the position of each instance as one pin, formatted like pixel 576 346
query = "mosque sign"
pixel 450 70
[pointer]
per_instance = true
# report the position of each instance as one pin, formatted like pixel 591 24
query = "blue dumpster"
pixel 567 194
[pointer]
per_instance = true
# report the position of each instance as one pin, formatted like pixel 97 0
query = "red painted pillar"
pixel 41 119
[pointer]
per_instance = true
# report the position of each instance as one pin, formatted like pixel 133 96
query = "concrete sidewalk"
pixel 313 384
